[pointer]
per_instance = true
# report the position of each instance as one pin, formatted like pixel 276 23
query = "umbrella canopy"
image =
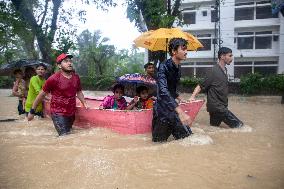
pixel 7 69
pixel 156 40
pixel 132 81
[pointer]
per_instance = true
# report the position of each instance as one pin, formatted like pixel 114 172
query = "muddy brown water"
pixel 33 157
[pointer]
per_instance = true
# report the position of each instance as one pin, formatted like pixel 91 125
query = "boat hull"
pixel 121 121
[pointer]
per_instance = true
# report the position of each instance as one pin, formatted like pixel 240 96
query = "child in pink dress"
pixel 116 101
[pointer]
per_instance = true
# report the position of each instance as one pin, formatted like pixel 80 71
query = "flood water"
pixel 33 157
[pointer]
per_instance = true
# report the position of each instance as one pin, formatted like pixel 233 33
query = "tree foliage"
pixel 16 39
pixel 94 53
pixel 156 14
pixel 43 20
pixel 99 63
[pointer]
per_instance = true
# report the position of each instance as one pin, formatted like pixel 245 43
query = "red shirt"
pixel 63 91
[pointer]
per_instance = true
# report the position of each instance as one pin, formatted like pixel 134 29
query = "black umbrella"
pixel 7 69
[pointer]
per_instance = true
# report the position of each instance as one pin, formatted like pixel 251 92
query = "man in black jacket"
pixel 168 118
pixel 216 87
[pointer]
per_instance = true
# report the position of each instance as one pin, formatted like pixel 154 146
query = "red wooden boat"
pixel 121 121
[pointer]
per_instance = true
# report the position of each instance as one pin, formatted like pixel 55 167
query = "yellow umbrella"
pixel 156 40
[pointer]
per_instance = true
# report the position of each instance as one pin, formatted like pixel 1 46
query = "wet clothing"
pixel 161 130
pixel 21 109
pixel 165 119
pixel 227 117
pixel 35 87
pixel 20 88
pixel 63 100
pixel 62 124
pixel 110 102
pixel 216 87
pixel 63 91
pixel 144 104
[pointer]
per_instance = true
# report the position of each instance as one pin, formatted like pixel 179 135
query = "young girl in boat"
pixel 115 101
pixel 142 101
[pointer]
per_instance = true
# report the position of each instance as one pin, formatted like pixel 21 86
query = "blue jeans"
pixel 62 124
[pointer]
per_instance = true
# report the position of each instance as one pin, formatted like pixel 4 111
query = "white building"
pixel 246 26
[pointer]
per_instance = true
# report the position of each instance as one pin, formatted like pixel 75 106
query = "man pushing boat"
pixel 168 117
pixel 64 85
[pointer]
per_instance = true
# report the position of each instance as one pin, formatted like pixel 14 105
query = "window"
pixel 245 41
pixel 205 39
pixel 262 67
pixel 242 71
pixel 189 17
pixel 265 62
pixel 263 12
pixel 204 63
pixel 202 72
pixel 204 13
pixel 188 63
pixel 246 3
pixel 246 13
pixel 266 70
pixel 186 71
pixel 243 63
pixel 253 10
pixel 262 40
pixel 214 16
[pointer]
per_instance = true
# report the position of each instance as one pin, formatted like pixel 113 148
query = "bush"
pixel 250 83
pixel 97 83
pixel 257 84
pixel 273 83
pixel 87 82
pixel 104 83
pixel 187 84
pixel 6 82
pixel 189 81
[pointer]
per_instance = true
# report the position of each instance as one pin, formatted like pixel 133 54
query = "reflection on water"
pixel 32 156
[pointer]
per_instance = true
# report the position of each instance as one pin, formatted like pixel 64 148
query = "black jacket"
pixel 168 77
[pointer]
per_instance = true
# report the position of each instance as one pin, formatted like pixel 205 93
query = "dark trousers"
pixel 62 124
pixel 227 117
pixel 162 129
pixel 21 109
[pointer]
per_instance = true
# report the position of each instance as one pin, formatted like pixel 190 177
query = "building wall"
pixel 234 35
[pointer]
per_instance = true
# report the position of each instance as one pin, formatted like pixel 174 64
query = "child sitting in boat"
pixel 142 101
pixel 115 101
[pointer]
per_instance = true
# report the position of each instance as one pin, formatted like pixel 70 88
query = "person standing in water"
pixel 19 90
pixel 168 117
pixel 216 87
pixel 63 86
pixel 35 86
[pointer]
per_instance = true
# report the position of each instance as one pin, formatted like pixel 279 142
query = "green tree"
pixel 128 62
pixel 95 53
pixel 43 19
pixel 16 39
pixel 154 14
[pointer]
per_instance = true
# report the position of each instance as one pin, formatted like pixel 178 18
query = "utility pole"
pixel 217 28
